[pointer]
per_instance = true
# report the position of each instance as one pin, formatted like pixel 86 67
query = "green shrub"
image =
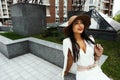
pixel 117 18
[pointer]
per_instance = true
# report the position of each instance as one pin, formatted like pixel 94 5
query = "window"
pixel 57 19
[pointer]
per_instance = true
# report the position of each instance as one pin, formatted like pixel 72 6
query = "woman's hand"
pixel 98 50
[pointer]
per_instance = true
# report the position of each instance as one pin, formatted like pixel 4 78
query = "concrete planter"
pixel 49 51
pixel 28 19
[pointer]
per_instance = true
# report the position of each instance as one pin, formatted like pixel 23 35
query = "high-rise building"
pixel 56 10
pixel 104 6
pixel 108 4
pixel 60 10
pixel 5 9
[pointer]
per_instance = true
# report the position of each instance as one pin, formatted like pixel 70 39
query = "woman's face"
pixel 78 27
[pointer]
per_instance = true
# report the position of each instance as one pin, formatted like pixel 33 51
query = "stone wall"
pixel 28 19
pixel 5 28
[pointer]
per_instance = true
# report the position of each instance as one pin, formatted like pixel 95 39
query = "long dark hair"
pixel 75 46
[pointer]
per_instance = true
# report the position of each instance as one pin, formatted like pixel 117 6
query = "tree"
pixel 117 18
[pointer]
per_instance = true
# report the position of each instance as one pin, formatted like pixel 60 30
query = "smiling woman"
pixel 81 50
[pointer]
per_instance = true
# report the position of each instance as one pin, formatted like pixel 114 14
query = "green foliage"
pixel 12 35
pixel 52 34
pixel 117 18
pixel 112 65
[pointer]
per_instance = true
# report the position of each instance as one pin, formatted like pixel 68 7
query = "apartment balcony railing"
pixel 111 3
pixel 57 16
pixel 106 1
pixel 105 8
pixel 74 4
pixel 46 2
pixel 3 7
pixel 92 4
pixel 65 16
pixel 5 12
pixel 9 0
pixel 3 2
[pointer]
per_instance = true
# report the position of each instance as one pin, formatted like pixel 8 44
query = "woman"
pixel 81 50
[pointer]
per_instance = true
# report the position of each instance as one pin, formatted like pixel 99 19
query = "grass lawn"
pixel 12 35
pixel 112 65
pixel 111 48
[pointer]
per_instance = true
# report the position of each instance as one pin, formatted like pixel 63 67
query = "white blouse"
pixel 85 58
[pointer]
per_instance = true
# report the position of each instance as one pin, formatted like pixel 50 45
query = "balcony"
pixel 111 10
pixel 5 16
pixel 92 5
pixel 3 7
pixel 65 16
pixel 74 4
pixel 46 2
pixel 9 1
pixel 111 3
pixel 105 9
pixel 106 1
pixel 2 2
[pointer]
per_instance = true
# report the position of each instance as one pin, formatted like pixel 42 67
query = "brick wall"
pixel 51 18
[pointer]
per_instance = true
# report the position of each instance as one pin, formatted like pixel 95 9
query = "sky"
pixel 116 7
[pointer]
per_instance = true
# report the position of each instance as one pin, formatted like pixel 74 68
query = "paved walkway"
pixel 28 67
